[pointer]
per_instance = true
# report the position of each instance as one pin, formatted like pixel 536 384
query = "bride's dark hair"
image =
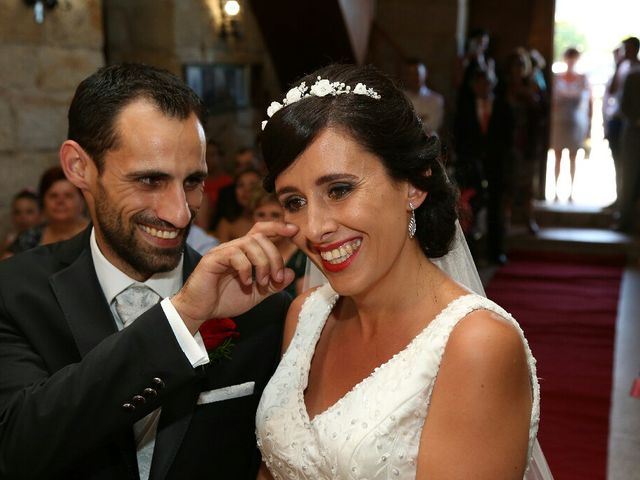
pixel 387 127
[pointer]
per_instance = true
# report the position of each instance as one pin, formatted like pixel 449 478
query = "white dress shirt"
pixel 200 240
pixel 113 281
pixel 429 106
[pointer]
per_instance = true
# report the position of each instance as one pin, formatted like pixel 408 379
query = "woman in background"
pixel 570 114
pixel 525 101
pixel 234 216
pixel 63 212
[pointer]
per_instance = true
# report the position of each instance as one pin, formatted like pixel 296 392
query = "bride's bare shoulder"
pixel 488 341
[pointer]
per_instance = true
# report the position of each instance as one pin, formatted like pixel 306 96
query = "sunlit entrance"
pixel 595 179
pixel 596 29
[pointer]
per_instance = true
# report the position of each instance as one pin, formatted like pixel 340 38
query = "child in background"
pixel 25 214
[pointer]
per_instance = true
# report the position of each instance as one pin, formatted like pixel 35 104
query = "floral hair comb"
pixel 321 88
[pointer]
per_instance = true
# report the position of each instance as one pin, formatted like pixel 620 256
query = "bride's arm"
pixel 477 425
pixel 263 473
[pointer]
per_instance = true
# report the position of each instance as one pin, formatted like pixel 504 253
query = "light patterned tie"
pixel 130 304
pixel 134 301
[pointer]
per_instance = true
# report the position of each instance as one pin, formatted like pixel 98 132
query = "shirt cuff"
pixel 191 345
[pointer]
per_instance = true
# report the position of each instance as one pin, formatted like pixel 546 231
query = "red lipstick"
pixel 337 267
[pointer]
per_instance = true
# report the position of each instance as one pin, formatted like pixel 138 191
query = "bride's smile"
pixel 339 255
pixel 351 214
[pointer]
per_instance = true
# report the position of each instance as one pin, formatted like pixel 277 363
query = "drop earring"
pixel 412 221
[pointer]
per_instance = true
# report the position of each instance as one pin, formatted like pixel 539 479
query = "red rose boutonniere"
pixel 218 335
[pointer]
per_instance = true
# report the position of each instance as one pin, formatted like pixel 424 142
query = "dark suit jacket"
pixel 484 155
pixel 65 373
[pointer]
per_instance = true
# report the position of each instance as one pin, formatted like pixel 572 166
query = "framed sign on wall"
pixel 223 87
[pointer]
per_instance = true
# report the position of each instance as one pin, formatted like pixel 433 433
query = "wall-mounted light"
pixel 229 24
pixel 231 8
pixel 39 6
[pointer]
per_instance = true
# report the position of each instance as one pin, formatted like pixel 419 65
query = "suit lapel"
pixel 177 411
pixel 80 297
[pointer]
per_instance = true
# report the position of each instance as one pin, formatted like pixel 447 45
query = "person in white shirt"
pixel 429 105
pixel 200 240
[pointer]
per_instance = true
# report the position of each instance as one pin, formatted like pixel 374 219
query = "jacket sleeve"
pixel 50 417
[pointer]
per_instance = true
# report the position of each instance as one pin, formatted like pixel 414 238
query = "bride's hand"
pixel 235 276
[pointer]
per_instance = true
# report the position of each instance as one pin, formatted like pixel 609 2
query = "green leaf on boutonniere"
pixel 222 351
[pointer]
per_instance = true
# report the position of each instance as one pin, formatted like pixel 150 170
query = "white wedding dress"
pixel 373 432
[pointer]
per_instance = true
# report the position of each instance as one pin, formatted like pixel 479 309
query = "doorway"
pixel 595 29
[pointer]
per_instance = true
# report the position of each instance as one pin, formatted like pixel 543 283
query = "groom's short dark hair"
pixel 102 96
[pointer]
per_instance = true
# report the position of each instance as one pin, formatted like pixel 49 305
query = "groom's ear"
pixel 78 167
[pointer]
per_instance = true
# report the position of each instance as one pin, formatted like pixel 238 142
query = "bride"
pixel 393 369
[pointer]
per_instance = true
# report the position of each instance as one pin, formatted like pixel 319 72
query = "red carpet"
pixel 567 307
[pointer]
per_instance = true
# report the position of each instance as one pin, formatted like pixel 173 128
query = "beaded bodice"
pixel 373 431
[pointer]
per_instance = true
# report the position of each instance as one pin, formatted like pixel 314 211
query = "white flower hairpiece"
pixel 321 88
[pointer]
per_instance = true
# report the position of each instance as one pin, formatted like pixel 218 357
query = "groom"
pixel 91 387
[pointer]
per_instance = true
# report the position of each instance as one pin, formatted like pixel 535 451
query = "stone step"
pixel 576 240
pixel 552 215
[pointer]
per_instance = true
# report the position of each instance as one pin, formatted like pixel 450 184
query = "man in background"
pixel 630 140
pixel 429 105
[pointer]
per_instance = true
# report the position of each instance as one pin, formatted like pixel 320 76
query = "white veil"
pixel 459 265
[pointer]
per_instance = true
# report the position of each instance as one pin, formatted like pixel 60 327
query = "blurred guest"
pixel 540 127
pixel 629 61
pixel 538 64
pixel 216 179
pixel 612 119
pixel 475 58
pixel 234 216
pixel 200 240
pixel 245 158
pixel 267 208
pixel 525 102
pixel 630 110
pixel 429 105
pixel 63 212
pixel 25 214
pixel 626 57
pixel 571 114
pixel 483 129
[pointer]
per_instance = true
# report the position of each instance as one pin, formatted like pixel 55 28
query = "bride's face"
pixel 352 217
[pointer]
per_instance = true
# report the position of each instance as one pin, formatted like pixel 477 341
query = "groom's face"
pixel 149 190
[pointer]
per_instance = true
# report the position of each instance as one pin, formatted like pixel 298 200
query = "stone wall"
pixel 40 67
pixel 172 33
